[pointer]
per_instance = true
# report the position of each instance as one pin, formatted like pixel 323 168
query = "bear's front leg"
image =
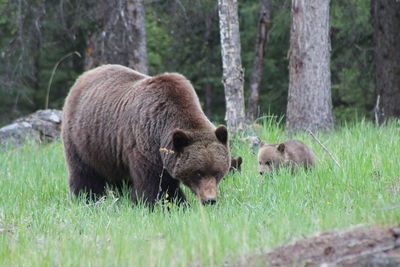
pixel 145 179
pixel 171 187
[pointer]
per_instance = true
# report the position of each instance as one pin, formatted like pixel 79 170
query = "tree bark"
pixel 386 21
pixel 309 101
pixel 264 25
pixel 122 35
pixel 231 64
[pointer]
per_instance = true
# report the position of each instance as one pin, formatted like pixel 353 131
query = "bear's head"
pixel 271 156
pixel 236 164
pixel 202 160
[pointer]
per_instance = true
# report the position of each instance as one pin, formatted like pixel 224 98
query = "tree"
pixel 351 35
pixel 309 100
pixel 264 25
pixel 119 36
pixel 232 77
pixel 190 27
pixel 386 21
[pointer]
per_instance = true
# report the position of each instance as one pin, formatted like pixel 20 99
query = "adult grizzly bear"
pixel 121 126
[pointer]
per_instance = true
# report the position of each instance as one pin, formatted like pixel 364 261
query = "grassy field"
pixel 41 226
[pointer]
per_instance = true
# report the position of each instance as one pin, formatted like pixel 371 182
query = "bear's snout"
pixel 207 191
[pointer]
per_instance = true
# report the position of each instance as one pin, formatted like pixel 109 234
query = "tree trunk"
pixel 231 64
pixel 264 25
pixel 121 38
pixel 309 101
pixel 386 20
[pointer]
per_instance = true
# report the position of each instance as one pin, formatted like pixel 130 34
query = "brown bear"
pixel 236 164
pixel 149 133
pixel 292 153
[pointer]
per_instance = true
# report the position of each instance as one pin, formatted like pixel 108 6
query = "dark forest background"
pixel 182 36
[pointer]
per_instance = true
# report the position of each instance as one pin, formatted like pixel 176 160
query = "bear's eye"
pixel 217 175
pixel 268 163
pixel 199 173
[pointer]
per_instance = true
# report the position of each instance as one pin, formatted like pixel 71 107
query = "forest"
pixel 45 45
pixel 117 165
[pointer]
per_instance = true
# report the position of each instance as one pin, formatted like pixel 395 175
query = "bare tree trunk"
pixel 386 20
pixel 122 35
pixel 232 65
pixel 264 25
pixel 309 100
pixel 138 60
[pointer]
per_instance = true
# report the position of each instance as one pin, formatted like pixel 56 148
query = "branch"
pixel 326 150
pixel 376 110
pixel 159 185
pixel 46 105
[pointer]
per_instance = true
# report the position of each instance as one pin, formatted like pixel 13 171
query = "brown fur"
pixel 121 126
pixel 292 153
pixel 236 164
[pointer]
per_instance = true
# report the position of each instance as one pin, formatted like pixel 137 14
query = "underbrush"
pixel 41 225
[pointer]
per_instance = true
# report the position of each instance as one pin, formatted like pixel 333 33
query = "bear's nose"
pixel 210 201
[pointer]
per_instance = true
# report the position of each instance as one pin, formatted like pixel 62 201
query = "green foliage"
pixel 275 82
pixel 182 36
pixel 35 36
pixel 352 57
pixel 41 226
pixel 193 46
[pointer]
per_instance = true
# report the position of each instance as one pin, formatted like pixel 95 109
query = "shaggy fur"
pixel 121 126
pixel 292 153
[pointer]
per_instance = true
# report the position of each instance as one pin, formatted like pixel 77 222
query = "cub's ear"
pixel 281 148
pixel 262 143
pixel 222 134
pixel 236 162
pixel 239 161
pixel 180 139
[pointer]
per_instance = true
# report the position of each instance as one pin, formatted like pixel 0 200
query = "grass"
pixel 41 226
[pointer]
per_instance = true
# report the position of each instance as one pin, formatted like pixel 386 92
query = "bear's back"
pixel 101 79
pixel 300 153
pixel 112 110
pixel 117 72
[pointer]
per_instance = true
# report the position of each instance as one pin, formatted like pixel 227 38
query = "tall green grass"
pixel 41 226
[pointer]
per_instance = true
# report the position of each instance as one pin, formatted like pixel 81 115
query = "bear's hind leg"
pixel 83 178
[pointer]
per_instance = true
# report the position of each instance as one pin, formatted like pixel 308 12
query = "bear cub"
pixel 292 153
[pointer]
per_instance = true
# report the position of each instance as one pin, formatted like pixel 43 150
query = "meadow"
pixel 40 225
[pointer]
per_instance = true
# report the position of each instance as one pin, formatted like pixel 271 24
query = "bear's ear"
pixel 239 160
pixel 222 134
pixel 180 139
pixel 281 148
pixel 262 143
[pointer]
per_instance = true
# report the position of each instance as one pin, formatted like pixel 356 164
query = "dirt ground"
pixel 359 246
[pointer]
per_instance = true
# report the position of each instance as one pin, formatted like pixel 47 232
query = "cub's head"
pixel 203 159
pixel 271 156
